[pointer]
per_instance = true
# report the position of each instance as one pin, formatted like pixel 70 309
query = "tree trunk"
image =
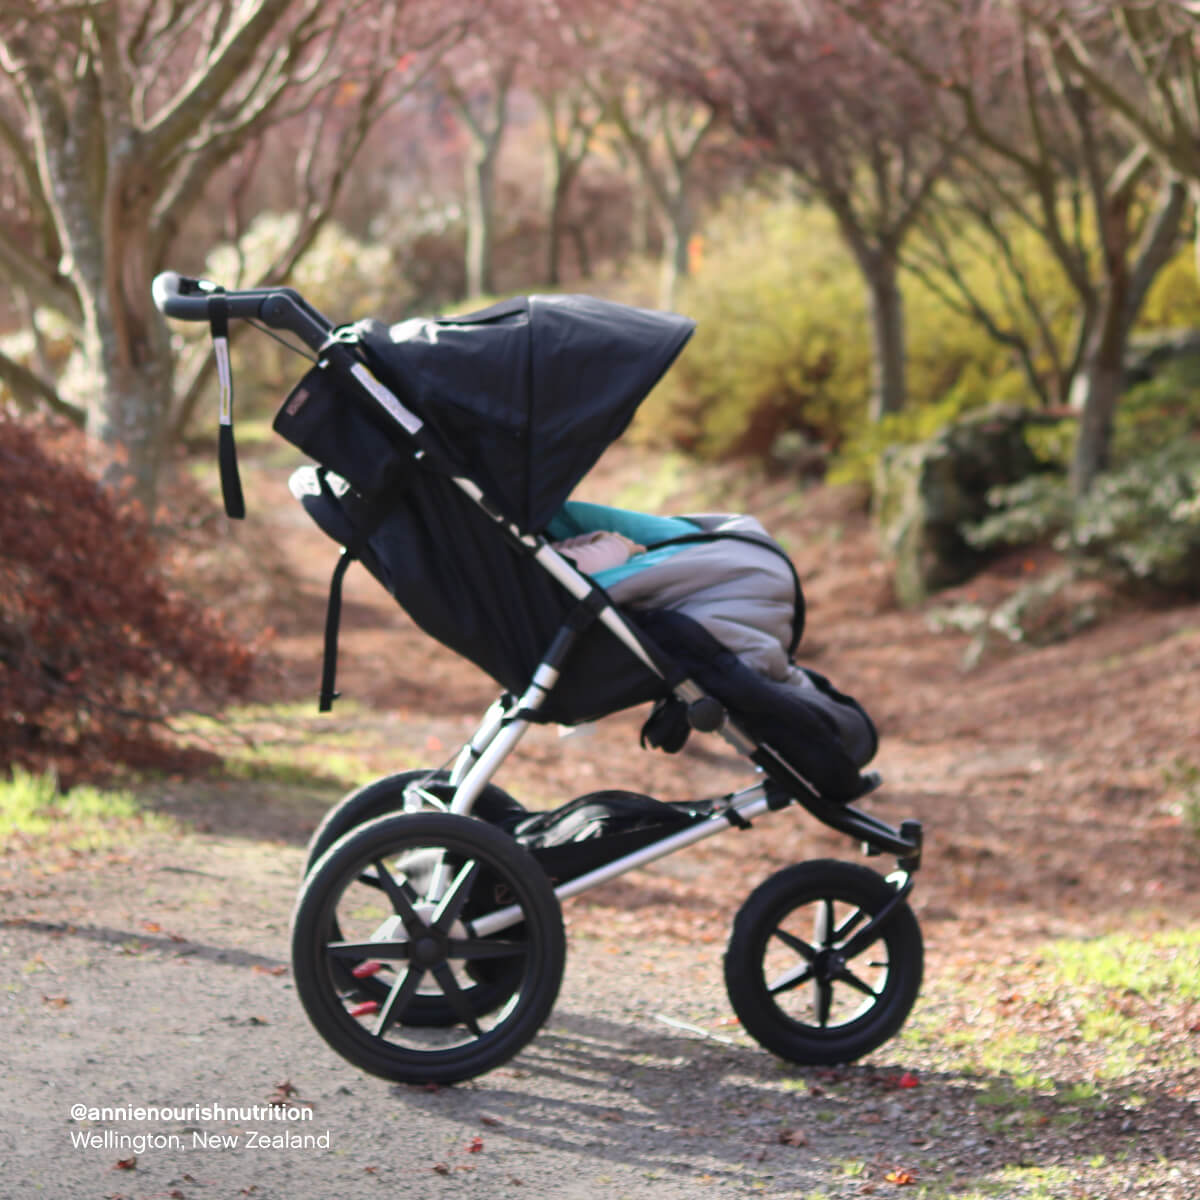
pixel 677 236
pixel 134 351
pixel 583 255
pixel 1096 392
pixel 481 214
pixel 559 187
pixel 888 358
pixel 641 214
pixel 125 341
pixel 130 412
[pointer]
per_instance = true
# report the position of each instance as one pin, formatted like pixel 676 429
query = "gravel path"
pixel 195 1007
pixel 158 978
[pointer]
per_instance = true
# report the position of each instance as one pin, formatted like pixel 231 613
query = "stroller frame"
pixel 450 922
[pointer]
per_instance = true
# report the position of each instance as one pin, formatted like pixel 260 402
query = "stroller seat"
pixel 682 594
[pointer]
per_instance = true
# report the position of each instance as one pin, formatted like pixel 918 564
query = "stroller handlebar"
pixel 185 299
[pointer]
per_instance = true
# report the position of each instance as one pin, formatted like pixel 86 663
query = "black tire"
pixel 800 984
pixel 494 980
pixel 386 795
pixel 362 904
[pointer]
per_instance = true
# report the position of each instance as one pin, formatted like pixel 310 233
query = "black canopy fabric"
pixel 527 394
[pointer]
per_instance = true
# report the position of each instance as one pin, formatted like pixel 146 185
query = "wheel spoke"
pixel 387 950
pixel 398 895
pixel 848 976
pixel 800 946
pixel 823 998
pixel 823 931
pixel 473 949
pixel 454 994
pixel 851 923
pixel 399 998
pixel 799 974
pixel 452 902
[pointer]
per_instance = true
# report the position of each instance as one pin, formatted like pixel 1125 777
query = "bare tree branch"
pixel 32 392
pixel 209 87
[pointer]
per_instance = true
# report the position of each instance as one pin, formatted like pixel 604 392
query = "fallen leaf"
pixel 475 1145
pixel 259 969
pixel 126 1164
pixel 901 1177
pixel 56 1001
pixel 441 1168
pixel 793 1137
pixel 493 1121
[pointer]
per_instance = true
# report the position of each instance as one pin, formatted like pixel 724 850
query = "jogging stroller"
pixel 427 938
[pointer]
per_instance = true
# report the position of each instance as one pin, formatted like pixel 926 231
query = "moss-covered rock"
pixel 926 494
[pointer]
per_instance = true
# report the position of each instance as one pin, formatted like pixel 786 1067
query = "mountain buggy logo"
pixel 297 401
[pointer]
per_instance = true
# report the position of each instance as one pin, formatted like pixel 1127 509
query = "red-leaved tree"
pixel 95 649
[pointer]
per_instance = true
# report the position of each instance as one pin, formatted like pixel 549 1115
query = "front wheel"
pixel 492 980
pixel 415 904
pixel 809 976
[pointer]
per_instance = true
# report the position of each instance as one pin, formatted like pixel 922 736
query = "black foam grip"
pixel 231 481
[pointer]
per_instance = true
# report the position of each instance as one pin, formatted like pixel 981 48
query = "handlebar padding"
pixel 171 299
pixel 185 299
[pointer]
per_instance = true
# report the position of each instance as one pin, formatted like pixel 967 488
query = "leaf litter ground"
pixel 1055 1050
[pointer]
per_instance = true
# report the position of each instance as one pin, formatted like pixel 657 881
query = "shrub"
pixel 95 650
pixel 783 346
pixel 1159 413
pixel 1174 297
pixel 1141 521
pixel 782 342
pixel 1144 520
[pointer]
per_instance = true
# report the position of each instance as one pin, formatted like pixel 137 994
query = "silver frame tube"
pixel 748 803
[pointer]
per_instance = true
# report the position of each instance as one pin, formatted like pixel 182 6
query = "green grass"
pixel 33 808
pixel 1108 1009
pixel 1155 966
pixel 290 746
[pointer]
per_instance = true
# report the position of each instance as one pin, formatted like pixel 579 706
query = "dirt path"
pixel 155 973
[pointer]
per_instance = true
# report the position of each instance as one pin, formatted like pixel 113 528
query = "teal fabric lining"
pixel 577 517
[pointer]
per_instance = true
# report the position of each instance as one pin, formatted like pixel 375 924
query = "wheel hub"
pixel 428 950
pixel 828 965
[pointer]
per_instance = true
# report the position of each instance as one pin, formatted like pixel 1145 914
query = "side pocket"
pixel 332 425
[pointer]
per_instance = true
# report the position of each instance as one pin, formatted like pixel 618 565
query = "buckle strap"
pixel 367 524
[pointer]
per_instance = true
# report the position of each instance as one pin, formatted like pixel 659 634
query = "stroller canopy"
pixel 527 394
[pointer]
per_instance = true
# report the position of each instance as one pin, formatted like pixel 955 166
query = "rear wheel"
pixel 808 975
pixel 390 795
pixel 397 902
